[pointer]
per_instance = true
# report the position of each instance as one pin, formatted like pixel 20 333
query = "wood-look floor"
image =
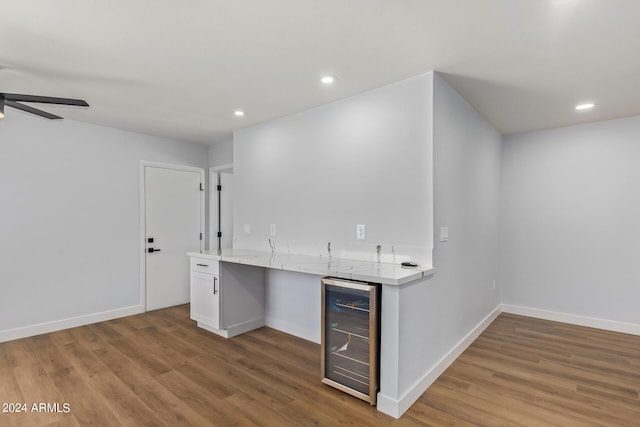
pixel 158 369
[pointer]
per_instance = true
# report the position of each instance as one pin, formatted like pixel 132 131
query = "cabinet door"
pixel 205 299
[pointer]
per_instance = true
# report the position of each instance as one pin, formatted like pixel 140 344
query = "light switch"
pixel 272 230
pixel 360 231
pixel 247 229
pixel 444 234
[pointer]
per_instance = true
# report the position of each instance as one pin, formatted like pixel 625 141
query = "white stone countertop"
pixel 368 271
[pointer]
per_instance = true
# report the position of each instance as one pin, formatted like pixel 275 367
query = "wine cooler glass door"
pixel 349 337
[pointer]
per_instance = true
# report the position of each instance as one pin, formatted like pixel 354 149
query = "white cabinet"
pixel 205 298
pixel 227 299
pixel 205 291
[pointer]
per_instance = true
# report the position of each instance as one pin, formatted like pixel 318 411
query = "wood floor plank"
pixel 424 415
pixel 161 401
pixel 258 413
pixel 88 338
pixel 331 404
pixel 202 401
pixel 139 354
pixel 528 408
pixel 553 397
pixel 217 384
pixel 34 382
pixel 86 406
pixel 132 342
pixel 463 407
pixel 9 386
pixel 231 376
pixel 82 358
pixel 295 348
pixel 290 354
pixel 68 422
pixel 10 392
pixel 211 344
pixel 171 342
pixel 158 368
pixel 129 409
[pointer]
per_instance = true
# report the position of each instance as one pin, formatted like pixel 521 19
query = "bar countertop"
pixel 368 271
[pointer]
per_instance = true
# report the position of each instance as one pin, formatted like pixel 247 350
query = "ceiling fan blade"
pixel 28 109
pixel 45 99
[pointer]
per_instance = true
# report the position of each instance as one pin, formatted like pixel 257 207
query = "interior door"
pixel 172 228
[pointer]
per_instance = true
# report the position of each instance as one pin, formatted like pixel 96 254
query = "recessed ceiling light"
pixel 585 106
pixel 328 79
pixel 239 113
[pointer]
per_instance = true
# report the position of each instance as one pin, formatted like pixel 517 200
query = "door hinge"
pixel 219 187
pixel 219 234
pixel 201 187
pixel 200 236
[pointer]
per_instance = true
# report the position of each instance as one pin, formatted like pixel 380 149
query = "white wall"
pixel 221 153
pixel 292 303
pixel 467 188
pixel 69 216
pixel 570 221
pixel 316 174
pixel 439 312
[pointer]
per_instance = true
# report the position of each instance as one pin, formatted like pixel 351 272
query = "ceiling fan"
pixel 14 100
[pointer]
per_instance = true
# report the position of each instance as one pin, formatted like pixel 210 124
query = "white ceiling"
pixel 180 68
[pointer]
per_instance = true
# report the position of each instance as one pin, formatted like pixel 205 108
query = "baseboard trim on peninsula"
pixel 396 408
pixel 72 322
pixel 309 334
pixel 573 319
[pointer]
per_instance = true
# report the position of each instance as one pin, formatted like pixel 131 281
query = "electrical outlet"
pixel 272 230
pixel 444 234
pixel 360 231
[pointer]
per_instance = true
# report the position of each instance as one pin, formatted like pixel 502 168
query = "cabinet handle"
pixel 202 265
pixel 215 281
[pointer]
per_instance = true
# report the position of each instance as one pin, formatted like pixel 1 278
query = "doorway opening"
pixel 221 207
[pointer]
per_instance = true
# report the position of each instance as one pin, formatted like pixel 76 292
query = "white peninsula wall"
pixel 381 159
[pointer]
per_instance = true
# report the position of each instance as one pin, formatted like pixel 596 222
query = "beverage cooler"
pixel 351 336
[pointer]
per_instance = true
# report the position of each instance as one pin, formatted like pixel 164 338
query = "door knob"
pixel 151 250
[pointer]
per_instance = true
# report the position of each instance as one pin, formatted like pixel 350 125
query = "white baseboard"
pixel 247 326
pixel 72 322
pixel 396 408
pixel 222 332
pixel 573 319
pixel 234 330
pixel 293 329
